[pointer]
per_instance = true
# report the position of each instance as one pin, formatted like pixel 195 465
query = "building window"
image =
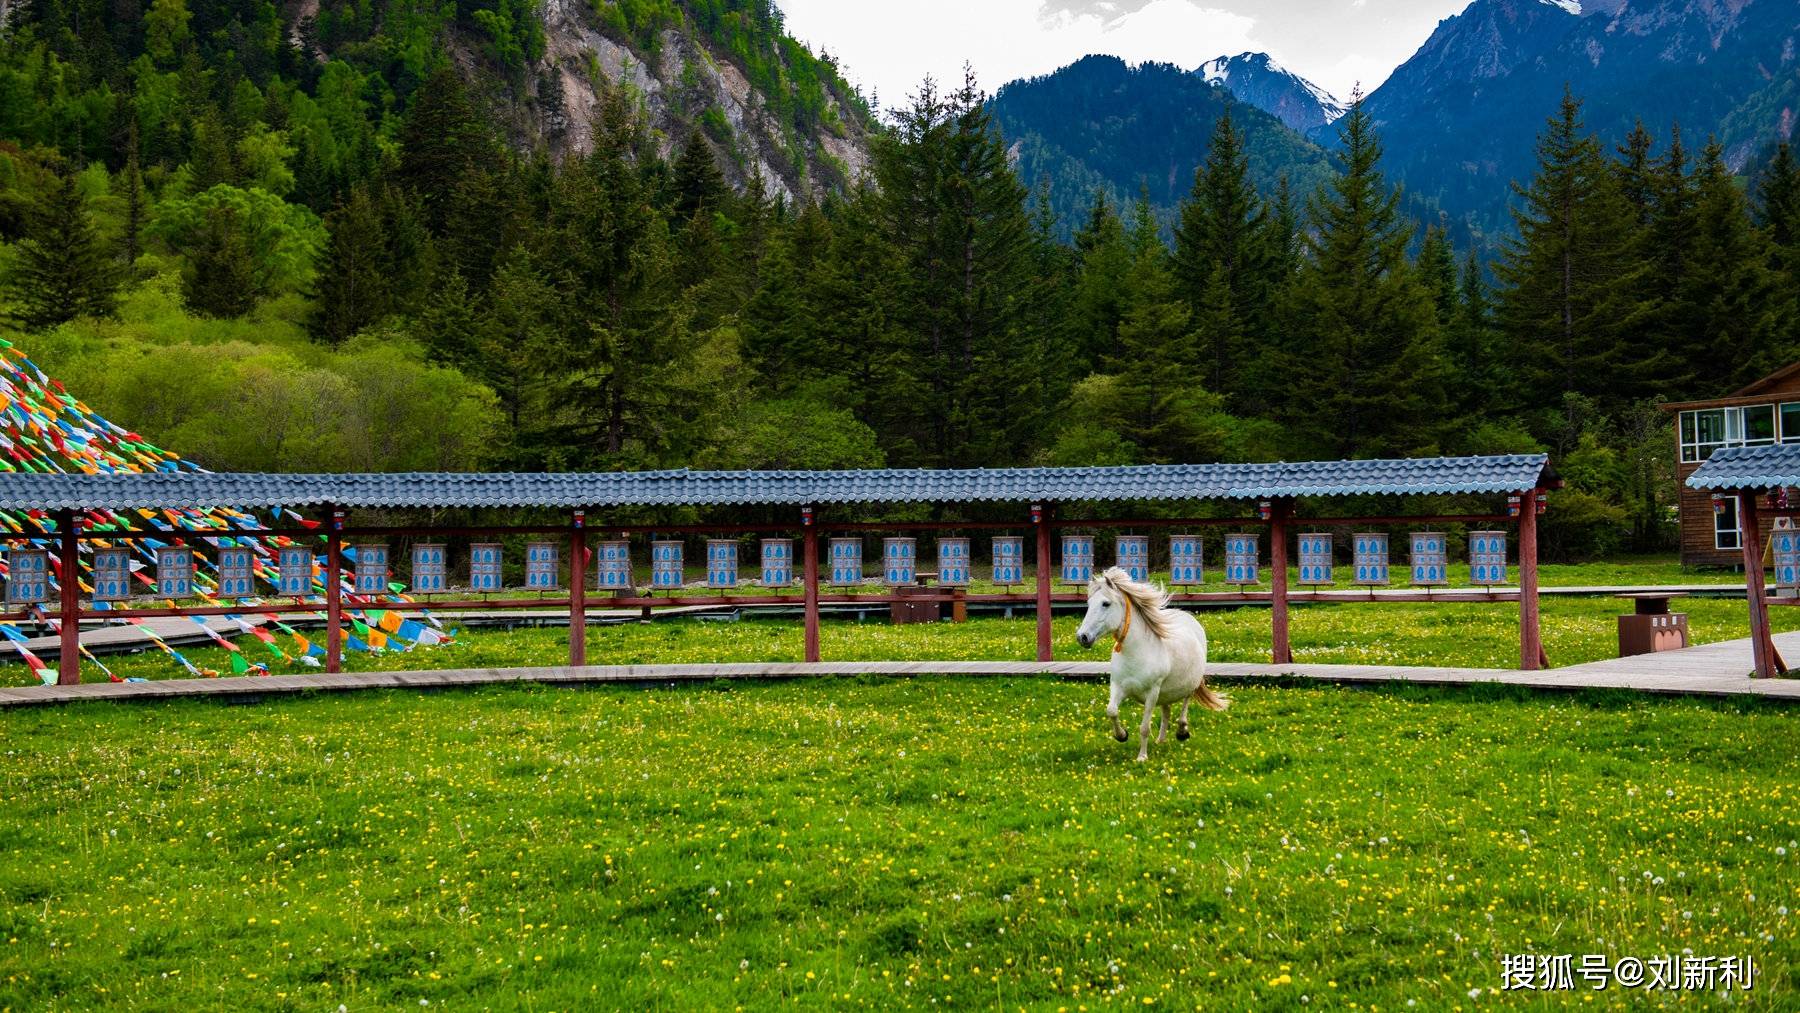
pixel 1790 422
pixel 1725 524
pixel 1758 425
pixel 1708 429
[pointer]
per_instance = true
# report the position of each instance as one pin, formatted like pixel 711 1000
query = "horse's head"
pixel 1105 611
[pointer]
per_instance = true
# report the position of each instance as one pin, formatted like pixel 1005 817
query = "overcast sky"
pixel 889 47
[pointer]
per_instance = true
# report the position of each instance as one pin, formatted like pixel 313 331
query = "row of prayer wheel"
pixel 28 576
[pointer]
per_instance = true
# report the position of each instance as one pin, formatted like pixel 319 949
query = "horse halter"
pixel 1124 629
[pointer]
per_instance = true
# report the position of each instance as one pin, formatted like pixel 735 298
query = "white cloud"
pixel 1003 39
pixel 890 49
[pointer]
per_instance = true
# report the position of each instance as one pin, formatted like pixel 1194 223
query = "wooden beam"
pixel 68 662
pixel 1531 638
pixel 1767 660
pixel 1279 511
pixel 810 580
pixel 334 591
pixel 1039 515
pixel 578 590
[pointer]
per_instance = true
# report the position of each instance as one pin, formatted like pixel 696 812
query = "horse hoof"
pixel 1143 758
pixel 1121 736
pixel 1182 734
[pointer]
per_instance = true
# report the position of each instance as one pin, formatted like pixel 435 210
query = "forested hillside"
pixel 1102 126
pixel 416 293
pixel 322 85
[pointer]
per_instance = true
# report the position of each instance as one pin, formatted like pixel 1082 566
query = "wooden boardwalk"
pixel 1713 670
pixel 1724 660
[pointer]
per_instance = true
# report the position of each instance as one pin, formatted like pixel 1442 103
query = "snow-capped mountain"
pixel 1260 80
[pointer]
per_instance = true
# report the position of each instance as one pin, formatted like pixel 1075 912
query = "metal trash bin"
pixel 1652 627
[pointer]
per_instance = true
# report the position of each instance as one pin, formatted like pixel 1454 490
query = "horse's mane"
pixel 1147 600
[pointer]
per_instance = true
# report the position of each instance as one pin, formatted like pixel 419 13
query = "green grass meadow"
pixel 1576 629
pixel 883 843
pixel 903 843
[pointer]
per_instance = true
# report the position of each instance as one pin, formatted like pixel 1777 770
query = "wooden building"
pixel 1765 413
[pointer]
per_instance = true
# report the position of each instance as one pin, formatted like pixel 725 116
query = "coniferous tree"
pixel 351 290
pixel 448 324
pixel 1437 272
pixel 1220 238
pixel 777 322
pixel 220 280
pixel 1777 211
pixel 1367 379
pixel 623 328
pixel 1283 237
pixel 514 350
pixel 1047 331
pixel 1470 353
pixel 753 216
pixel 412 254
pixel 61 268
pixel 131 181
pixel 1271 355
pixel 1568 299
pixel 1728 286
pixel 1103 259
pixel 1220 323
pixel 478 221
pixel 442 138
pixel 1637 179
pixel 1666 250
pixel 699 186
pixel 211 161
pixel 701 271
pixel 1154 396
pixel 852 294
pixel 1778 199
pixel 956 213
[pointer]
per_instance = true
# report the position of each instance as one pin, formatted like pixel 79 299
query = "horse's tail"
pixel 1209 699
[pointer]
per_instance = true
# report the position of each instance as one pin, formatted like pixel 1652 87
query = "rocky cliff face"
pixel 684 82
pixel 687 84
pixel 1459 119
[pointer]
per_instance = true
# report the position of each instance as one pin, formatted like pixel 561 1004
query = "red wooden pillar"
pixel 1762 643
pixel 68 661
pixel 578 589
pixel 1040 520
pixel 1531 635
pixel 810 560
pixel 334 592
pixel 1282 653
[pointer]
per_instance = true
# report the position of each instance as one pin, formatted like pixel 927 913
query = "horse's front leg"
pixel 1144 726
pixel 1112 711
pixel 1162 727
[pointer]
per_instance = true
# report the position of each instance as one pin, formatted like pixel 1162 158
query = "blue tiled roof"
pixel 1771 467
pixel 1511 473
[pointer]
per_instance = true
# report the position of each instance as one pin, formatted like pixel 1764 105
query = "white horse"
pixel 1158 655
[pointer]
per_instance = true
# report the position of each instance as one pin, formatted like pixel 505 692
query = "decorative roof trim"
pixel 181 490
pixel 1772 467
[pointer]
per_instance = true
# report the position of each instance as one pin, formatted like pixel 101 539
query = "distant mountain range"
pixel 1099 125
pixel 1458 120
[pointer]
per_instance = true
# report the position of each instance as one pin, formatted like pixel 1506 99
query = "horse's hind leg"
pixel 1181 727
pixel 1112 711
pixel 1144 726
pixel 1162 727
